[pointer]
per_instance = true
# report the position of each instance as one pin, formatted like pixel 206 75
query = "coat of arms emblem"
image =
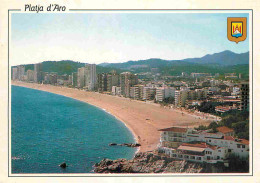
pixel 236 29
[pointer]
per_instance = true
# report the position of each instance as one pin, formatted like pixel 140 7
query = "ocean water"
pixel 48 129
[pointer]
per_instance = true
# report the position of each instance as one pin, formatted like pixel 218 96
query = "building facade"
pixel 74 78
pixel 38 73
pixel 30 75
pixel 20 72
pixel 15 74
pixel 112 80
pixel 127 80
pixel 244 96
pixel 102 82
pixel 201 146
pixel 81 77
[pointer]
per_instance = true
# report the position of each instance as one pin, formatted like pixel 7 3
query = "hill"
pixel 67 67
pixel 225 58
pixel 223 62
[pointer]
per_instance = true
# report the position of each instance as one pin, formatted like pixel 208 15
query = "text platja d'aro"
pixel 39 8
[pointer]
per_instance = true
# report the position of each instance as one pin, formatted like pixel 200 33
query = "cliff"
pixel 151 163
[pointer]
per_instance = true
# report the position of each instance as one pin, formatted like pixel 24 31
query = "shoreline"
pixel 129 128
pixel 142 119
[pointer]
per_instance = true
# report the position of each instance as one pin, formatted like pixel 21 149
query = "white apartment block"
pixel 116 90
pixel 149 93
pixel 136 92
pixel 197 75
pixel 201 146
pixel 164 92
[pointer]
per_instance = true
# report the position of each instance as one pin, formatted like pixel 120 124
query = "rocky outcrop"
pixel 63 165
pixel 148 163
pixel 125 144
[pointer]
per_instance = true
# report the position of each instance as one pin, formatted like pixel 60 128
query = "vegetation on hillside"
pixel 237 120
pixel 67 67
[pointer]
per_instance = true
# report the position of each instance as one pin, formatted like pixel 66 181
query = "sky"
pixel 119 37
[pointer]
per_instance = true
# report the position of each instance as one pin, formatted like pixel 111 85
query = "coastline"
pixel 142 119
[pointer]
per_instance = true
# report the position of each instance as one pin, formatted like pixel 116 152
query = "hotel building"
pixel 15 73
pixel 90 77
pixel 202 146
pixel 127 80
pixel 164 92
pixel 112 80
pixel 38 73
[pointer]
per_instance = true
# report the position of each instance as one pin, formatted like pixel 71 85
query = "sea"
pixel 48 129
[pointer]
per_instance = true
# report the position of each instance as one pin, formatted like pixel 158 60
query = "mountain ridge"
pixel 223 58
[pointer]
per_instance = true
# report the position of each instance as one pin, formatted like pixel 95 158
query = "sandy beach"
pixel 143 119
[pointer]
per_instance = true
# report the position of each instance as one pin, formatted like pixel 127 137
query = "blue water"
pixel 48 129
pixel 237 35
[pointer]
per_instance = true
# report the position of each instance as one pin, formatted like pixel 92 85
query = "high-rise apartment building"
pixel 112 80
pixel 15 73
pixel 38 73
pixel 244 96
pixel 180 97
pixel 20 72
pixel 127 80
pixel 30 75
pixel 164 92
pixel 74 76
pixel 81 77
pixel 149 93
pixel 90 77
pixel 136 92
pixel 102 82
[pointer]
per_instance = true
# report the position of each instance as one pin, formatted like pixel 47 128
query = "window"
pixel 229 150
pixel 218 157
pixel 243 146
pixel 238 145
pixel 198 158
pixel 209 140
pixel 219 150
pixel 208 152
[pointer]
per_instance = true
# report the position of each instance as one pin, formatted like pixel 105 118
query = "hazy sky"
pixel 118 37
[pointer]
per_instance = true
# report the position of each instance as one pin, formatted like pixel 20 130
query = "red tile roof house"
pixel 226 131
pixel 201 146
